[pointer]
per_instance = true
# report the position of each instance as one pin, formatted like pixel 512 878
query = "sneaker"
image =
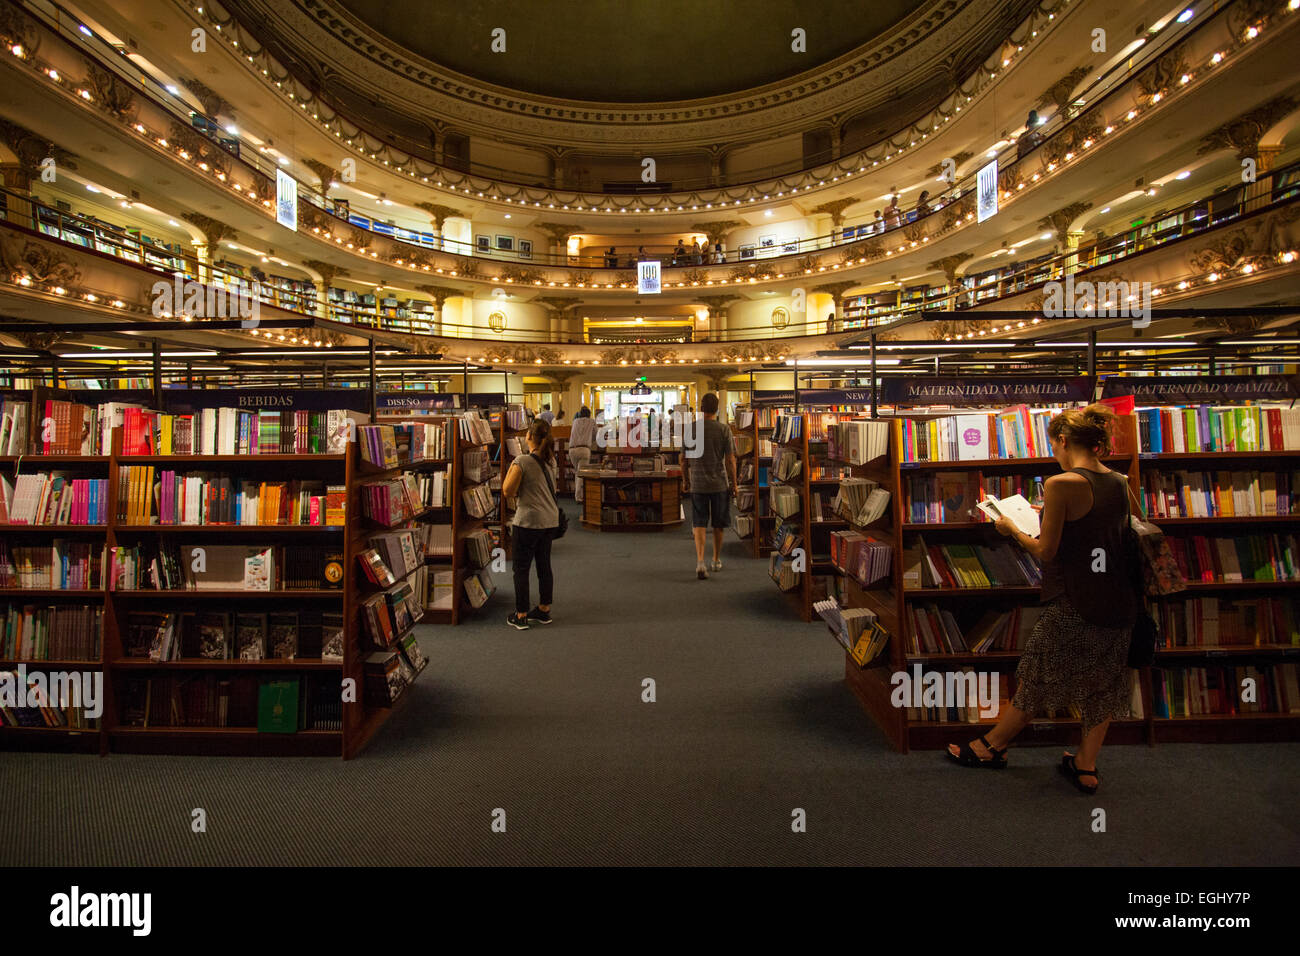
pixel 538 616
pixel 700 571
pixel 715 566
pixel 518 621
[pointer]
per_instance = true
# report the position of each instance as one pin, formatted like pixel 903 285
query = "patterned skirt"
pixel 1068 662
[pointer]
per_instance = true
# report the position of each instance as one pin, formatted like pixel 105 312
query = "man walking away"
pixel 582 436
pixel 547 415
pixel 710 479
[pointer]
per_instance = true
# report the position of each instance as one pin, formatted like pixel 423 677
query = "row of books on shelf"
pixel 474 428
pixel 787 536
pixel 164 497
pixel 236 431
pixel 68 428
pixel 859 441
pixel 1247 557
pixel 861 501
pixel 168 565
pixel 1229 622
pixel 478 500
pixel 389 673
pixel 1015 432
pixel 785 500
pixel 968 566
pixel 404 443
pixel 935 630
pixel 37 707
pixel 479 586
pixel 1204 691
pixel 765 447
pixel 15 418
pixel 278 704
pixel 55 632
pixel 213 635
pixel 780 569
pixel 632 514
pixel 1186 429
pixel 786 466
pixel 53 498
pixel 857 628
pixel 391 613
pixel 742 524
pixel 479 545
pixel 1220 494
pixel 476 464
pixel 952 496
pixel 744 443
pixel 867 559
pixel 632 493
pixel 394 500
pixel 57 565
pixel 787 428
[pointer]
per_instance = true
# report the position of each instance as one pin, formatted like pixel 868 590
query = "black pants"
pixel 530 543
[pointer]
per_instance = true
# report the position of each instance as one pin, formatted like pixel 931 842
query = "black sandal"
pixel 1072 773
pixel 969 758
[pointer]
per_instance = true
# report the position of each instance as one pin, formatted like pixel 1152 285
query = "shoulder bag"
pixel 1145 636
pixel 562 528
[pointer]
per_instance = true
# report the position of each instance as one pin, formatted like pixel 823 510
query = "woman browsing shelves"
pixel 1077 653
pixel 531 483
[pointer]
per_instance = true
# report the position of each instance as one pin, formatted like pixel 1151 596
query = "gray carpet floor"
pixel 752 720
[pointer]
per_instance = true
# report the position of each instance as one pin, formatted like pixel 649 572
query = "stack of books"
pixel 857 442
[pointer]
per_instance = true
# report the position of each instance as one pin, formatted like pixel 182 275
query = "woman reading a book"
pixel 1077 655
pixel 530 482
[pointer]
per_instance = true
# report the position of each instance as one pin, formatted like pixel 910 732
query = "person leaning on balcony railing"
pixel 1030 138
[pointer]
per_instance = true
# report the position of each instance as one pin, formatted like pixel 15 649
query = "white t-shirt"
pixel 548 417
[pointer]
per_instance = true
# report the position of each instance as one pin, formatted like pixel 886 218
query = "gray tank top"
pixel 1090 569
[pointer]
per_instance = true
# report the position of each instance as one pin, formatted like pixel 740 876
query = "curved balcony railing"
pixel 1274 190
pixel 263 171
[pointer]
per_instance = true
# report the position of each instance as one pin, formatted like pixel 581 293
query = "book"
pixel 1016 508
pixel 250 636
pixel 277 707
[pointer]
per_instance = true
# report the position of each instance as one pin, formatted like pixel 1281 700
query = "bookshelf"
pixel 897 601
pixel 790 442
pixel 758 427
pixel 467 526
pixel 744 432
pixel 193 658
pixel 505 434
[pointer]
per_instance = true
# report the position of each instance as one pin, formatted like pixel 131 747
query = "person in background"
pixel 582 438
pixel 923 204
pixel 893 215
pixel 710 479
pixel 697 254
pixel 530 483
pixel 1030 138
pixel 611 258
pixel 1077 654
pixel 878 224
pixel 547 415
pixel 679 254
pixel 719 257
pixel 559 417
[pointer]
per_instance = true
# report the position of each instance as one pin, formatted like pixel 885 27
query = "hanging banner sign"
pixel 987 192
pixel 814 396
pixel 396 402
pixel 485 399
pixel 286 200
pixel 984 391
pixel 268 399
pixel 647 277
pixel 1199 390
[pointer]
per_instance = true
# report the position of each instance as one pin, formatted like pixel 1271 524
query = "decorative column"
pixel 716 231
pixel 719 307
pixel 29 150
pixel 213 232
pixel 1243 133
pixel 836 291
pixel 835 210
pixel 439 294
pixel 561 313
pixel 437 216
pixel 326 273
pixel 950 265
pixel 559 233
pixel 17 179
pixel 1067 238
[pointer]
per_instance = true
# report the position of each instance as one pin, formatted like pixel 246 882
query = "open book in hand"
pixel 1020 511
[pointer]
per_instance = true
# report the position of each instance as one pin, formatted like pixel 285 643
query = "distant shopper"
pixel 1030 138
pixel 582 438
pixel 679 254
pixel 530 483
pixel 719 257
pixel 611 258
pixel 710 480
pixel 697 254
pixel 923 204
pixel 878 224
pixel 1077 655
pixel 547 415
pixel 893 215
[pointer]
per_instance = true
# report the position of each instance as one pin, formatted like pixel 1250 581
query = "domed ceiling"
pixel 617 51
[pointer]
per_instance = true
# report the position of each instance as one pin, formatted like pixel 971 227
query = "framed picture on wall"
pixel 789 245
pixel 747 251
pixel 505 243
pixel 525 248
pixel 483 243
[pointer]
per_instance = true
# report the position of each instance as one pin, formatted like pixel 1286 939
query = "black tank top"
pixel 1090 569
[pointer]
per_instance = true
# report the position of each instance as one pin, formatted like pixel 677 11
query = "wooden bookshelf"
pixel 802 594
pixel 871 685
pixel 463 524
